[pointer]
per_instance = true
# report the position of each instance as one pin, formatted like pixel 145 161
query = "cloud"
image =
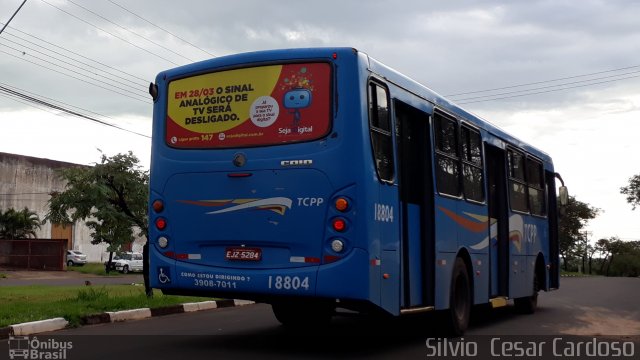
pixel 452 47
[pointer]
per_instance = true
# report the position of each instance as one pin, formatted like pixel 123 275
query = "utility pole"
pixel 12 16
pixel 586 252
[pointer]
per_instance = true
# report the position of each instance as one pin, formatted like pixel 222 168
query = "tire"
pixel 125 269
pixel 460 300
pixel 300 314
pixel 528 304
pixel 69 263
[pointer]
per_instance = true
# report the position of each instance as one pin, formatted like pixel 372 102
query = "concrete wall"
pixel 27 181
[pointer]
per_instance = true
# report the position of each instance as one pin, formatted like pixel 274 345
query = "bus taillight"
pixel 161 223
pixel 158 206
pixel 339 225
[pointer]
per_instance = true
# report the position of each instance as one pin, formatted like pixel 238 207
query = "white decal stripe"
pixel 493 232
pixel 264 202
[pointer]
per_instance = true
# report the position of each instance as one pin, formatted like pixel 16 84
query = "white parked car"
pixel 127 262
pixel 76 258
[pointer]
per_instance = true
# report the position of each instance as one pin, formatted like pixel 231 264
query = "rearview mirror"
pixel 563 196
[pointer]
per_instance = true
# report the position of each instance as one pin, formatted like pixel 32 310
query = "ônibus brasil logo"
pixel 25 347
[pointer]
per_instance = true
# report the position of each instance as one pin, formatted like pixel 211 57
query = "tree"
pixel 577 215
pixel 632 191
pixel 604 247
pixel 21 224
pixel 111 197
pixel 626 255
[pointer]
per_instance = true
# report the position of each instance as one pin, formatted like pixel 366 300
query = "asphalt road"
pixel 599 308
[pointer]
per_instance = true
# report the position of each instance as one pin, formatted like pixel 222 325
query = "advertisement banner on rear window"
pixel 256 106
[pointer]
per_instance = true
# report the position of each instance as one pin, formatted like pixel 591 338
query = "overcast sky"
pixel 98 56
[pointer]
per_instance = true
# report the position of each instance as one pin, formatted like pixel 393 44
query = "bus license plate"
pixel 243 254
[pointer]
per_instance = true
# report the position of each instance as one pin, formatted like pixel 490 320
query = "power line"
pixel 65 110
pixel 107 32
pixel 42 107
pixel 91 70
pixel 17 99
pixel 161 28
pixel 77 78
pixel 552 86
pixel 12 16
pixel 544 81
pixel 129 79
pixel 548 91
pixel 54 101
pixel 143 83
pixel 129 30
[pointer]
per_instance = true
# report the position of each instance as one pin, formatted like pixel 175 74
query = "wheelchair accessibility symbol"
pixel 163 275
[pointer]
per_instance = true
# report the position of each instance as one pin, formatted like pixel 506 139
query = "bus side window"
pixel 517 184
pixel 535 180
pixel 447 159
pixel 380 124
pixel 473 183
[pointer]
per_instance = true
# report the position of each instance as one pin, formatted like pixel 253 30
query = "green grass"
pixel 21 304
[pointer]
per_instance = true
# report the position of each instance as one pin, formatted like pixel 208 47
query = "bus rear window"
pixel 257 106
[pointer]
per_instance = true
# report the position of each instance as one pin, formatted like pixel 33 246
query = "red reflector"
pixel 330 258
pixel 313 260
pixel 335 56
pixel 239 175
pixel 158 206
pixel 339 225
pixel 161 223
pixel 173 255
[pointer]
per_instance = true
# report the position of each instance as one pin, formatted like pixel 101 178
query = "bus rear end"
pixel 252 195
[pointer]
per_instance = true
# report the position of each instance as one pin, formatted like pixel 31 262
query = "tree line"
pixel 608 256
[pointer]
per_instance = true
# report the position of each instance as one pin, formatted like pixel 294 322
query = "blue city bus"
pixel 317 179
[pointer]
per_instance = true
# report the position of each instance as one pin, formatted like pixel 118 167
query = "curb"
pixel 36 327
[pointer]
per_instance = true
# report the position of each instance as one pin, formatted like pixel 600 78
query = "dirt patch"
pixel 600 321
pixel 33 275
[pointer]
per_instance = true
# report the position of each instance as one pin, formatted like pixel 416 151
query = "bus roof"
pixel 376 67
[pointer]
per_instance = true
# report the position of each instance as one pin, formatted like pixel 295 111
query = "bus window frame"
pixel 540 163
pixel 437 152
pixel 481 167
pixel 527 158
pixel 372 81
pixel 511 179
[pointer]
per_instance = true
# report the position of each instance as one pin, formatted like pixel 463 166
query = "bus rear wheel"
pixel 297 314
pixel 460 299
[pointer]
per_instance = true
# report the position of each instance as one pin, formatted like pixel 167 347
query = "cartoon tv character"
pixel 295 100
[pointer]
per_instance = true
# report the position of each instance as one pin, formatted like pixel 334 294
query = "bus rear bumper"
pixel 347 278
